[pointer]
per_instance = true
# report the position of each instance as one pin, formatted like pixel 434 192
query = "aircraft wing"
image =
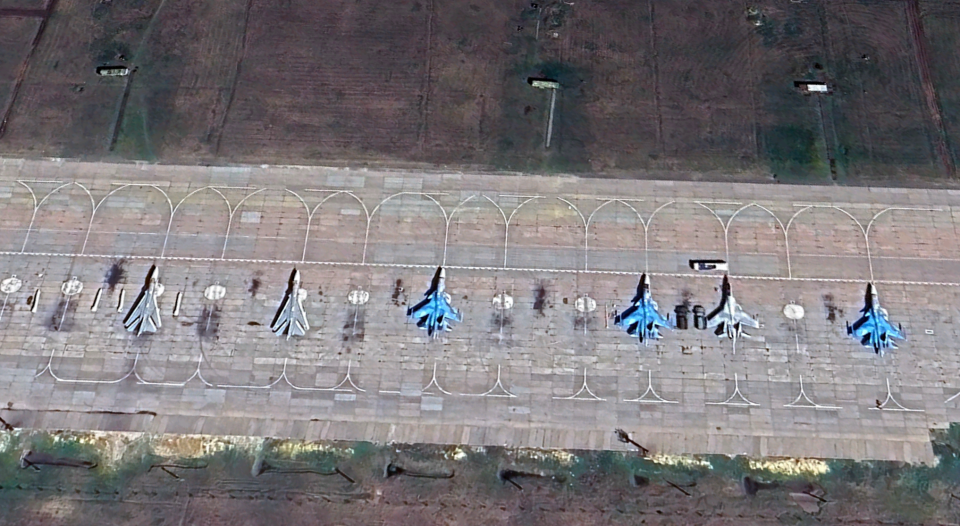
pixel 861 322
pixel 889 331
pixel 448 312
pixel 625 315
pixel 745 319
pixel 663 321
pixel 895 332
pixel 414 310
pixel 144 315
pixel 717 317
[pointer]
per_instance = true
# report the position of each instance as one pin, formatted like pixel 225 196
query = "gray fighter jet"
pixel 290 319
pixel 728 318
pixel 144 315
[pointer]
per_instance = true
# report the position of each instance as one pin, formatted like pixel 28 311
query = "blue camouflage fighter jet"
pixel 873 329
pixel 434 312
pixel 642 318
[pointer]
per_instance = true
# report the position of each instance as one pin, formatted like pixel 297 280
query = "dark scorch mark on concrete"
pixel 540 298
pixel 685 297
pixel 208 325
pixel 62 317
pixel 832 310
pixel 115 274
pixel 397 292
pixel 353 330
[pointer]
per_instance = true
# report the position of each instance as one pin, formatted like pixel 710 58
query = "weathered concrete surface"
pixel 365 373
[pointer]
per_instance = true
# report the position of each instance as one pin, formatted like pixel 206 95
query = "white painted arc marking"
pixel 475 268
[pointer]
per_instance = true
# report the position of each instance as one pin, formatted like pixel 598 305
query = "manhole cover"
pixel 215 292
pixel 585 304
pixel 793 312
pixel 71 287
pixel 502 301
pixel 10 285
pixel 358 297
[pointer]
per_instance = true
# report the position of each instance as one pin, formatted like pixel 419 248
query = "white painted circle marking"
pixel 215 292
pixel 503 301
pixel 10 285
pixel 71 287
pixel 358 297
pixel 585 304
pixel 793 311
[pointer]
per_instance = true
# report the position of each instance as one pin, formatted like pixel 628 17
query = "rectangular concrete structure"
pixel 539 374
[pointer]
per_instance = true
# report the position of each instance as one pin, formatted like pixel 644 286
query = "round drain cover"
pixel 215 292
pixel 503 301
pixel 793 312
pixel 71 287
pixel 10 285
pixel 358 297
pixel 585 304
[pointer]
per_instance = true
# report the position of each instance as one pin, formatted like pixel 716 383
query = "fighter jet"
pixel 641 318
pixel 290 319
pixel 728 318
pixel 435 312
pixel 144 315
pixel 873 329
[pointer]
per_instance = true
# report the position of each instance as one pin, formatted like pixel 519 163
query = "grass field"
pixel 194 479
pixel 880 115
pixel 942 25
pixel 679 85
pixel 342 77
